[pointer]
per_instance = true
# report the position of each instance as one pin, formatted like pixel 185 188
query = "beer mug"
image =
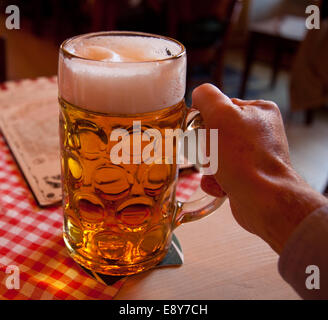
pixel 119 201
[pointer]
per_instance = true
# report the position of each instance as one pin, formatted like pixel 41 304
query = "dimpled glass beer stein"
pixel 121 97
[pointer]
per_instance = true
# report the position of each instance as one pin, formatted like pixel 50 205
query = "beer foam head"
pixel 122 74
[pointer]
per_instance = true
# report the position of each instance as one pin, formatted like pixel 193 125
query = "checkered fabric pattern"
pixel 31 239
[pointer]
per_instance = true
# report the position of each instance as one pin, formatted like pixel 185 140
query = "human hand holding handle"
pixel 267 197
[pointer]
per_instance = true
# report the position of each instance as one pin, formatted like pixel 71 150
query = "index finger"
pixel 213 105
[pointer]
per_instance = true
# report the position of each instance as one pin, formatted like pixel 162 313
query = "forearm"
pixel 303 262
pixel 290 201
pixel 266 195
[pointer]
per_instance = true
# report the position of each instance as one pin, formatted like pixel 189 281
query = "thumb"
pixel 211 102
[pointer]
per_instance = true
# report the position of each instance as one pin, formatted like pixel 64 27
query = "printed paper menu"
pixel 29 122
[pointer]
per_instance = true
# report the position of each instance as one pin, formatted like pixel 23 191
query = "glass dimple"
pixel 110 245
pixel 153 240
pixel 90 210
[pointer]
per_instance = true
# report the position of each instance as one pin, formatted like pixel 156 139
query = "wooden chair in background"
pixel 277 40
pixel 204 28
pixel 275 37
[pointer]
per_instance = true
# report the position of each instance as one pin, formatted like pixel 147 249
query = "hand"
pixel 267 197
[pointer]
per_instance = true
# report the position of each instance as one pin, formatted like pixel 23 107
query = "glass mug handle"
pixel 196 209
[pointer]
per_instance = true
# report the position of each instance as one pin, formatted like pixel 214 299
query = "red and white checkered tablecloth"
pixel 31 239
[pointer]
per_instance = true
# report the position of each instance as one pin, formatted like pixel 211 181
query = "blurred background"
pixel 252 49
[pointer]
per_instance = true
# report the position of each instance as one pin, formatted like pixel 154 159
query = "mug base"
pixel 113 270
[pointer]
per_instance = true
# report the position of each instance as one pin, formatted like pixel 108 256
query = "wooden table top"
pixel 221 261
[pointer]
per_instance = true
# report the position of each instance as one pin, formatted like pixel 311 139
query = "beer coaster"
pixel 174 257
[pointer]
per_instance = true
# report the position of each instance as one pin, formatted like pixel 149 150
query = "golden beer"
pixel 119 216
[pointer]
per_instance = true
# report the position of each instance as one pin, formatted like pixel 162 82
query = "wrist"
pixel 293 201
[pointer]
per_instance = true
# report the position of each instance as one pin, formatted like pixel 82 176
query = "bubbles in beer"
pixel 124 48
pixel 99 53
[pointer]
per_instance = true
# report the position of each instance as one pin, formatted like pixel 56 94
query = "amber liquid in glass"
pixel 118 217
